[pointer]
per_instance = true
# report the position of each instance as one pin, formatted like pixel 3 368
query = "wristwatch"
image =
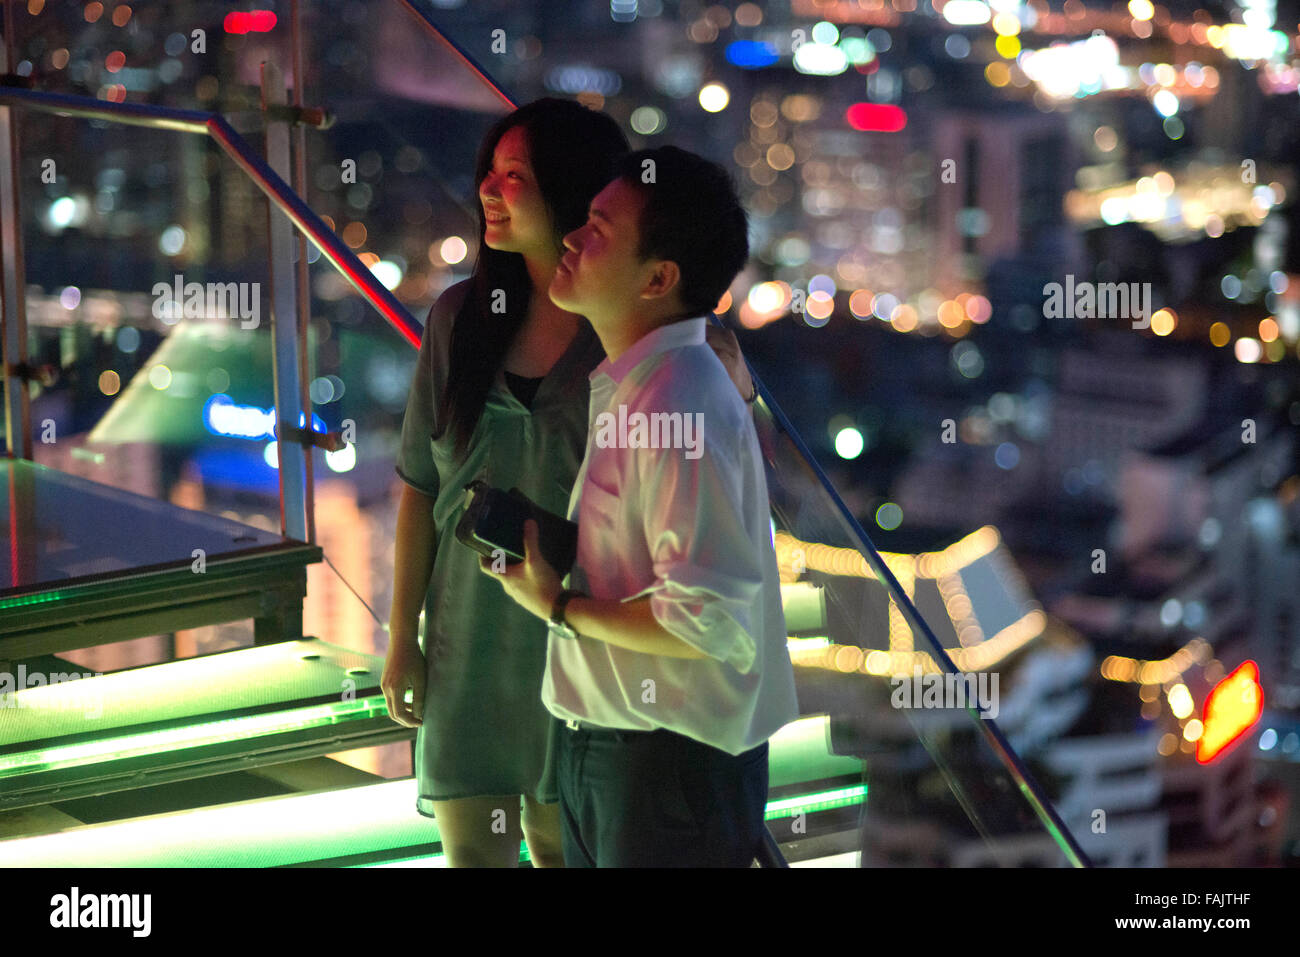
pixel 557 622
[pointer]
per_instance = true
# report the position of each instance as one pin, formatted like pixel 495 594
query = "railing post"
pixel 301 276
pixel 289 413
pixel 13 295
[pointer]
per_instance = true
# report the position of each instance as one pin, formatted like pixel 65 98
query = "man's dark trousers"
pixel 658 799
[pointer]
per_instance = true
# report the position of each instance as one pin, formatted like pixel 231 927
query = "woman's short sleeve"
pixel 415 465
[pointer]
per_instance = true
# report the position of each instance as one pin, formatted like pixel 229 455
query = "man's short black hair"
pixel 692 216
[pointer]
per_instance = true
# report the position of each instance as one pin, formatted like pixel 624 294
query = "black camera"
pixel 494 519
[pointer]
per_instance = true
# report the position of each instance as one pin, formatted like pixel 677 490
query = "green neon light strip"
pixel 786 807
pixel 822 801
pixel 43 598
pixel 191 736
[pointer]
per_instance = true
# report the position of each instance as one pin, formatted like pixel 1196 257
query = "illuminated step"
pixel 800 753
pixel 241 708
pixel 191 718
pixel 279 831
pixel 353 822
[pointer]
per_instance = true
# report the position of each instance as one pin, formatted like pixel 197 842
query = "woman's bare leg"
pixel 480 831
pixel 542 832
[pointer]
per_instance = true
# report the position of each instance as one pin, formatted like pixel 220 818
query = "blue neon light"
pixel 751 54
pixel 223 416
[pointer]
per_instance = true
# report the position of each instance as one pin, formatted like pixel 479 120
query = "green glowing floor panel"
pixel 189 718
pixel 799 753
pixel 344 822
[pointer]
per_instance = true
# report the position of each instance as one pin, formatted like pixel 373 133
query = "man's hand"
pixel 724 343
pixel 533 583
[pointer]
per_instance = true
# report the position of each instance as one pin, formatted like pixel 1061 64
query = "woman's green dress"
pixel 485 730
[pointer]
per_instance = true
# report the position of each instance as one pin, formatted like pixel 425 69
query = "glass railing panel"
pixel 132 219
pixel 937 791
pixel 148 289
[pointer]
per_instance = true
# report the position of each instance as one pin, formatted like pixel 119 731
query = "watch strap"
pixel 557 610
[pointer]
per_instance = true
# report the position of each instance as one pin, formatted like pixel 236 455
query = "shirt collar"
pixel 683 332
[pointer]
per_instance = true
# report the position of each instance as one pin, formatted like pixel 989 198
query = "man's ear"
pixel 665 278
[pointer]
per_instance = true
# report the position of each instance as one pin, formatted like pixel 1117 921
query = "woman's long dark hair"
pixel 572 150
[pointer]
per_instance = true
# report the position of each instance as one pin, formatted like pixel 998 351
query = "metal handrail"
pixel 456 50
pixel 239 150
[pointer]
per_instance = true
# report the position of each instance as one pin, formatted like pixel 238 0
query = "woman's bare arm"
pixel 412 565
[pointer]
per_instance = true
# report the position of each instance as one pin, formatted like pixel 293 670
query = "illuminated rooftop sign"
pixel 1231 710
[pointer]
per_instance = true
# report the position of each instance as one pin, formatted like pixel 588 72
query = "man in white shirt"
pixel 666 661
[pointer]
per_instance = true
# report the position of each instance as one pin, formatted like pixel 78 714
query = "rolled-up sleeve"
pixel 708 576
pixel 415 464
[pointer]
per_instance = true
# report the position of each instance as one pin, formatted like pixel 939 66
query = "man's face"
pixel 600 273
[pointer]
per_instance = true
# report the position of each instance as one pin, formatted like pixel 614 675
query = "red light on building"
pixel 250 21
pixel 876 117
pixel 1231 710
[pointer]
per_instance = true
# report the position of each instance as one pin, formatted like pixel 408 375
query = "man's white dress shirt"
pixel 689 526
